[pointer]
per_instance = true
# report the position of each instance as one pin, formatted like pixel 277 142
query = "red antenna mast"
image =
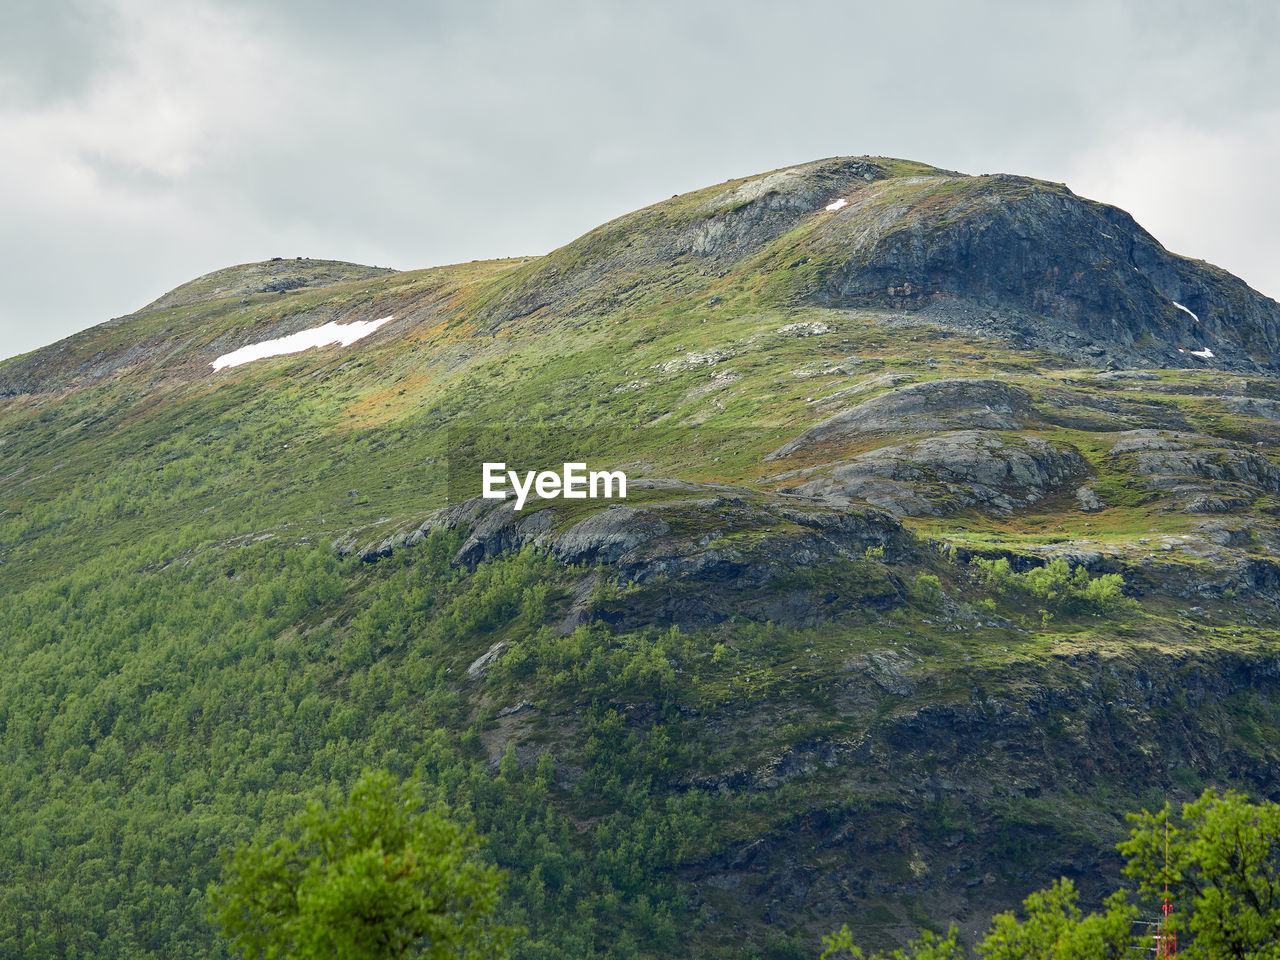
pixel 1166 939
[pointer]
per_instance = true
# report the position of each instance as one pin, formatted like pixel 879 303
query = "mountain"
pixel 950 537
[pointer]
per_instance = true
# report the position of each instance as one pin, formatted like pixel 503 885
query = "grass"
pixel 221 490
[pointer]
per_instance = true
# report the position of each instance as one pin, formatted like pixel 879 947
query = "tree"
pixel 1055 929
pixel 372 876
pixel 1221 865
pixel 928 947
pixel 1223 872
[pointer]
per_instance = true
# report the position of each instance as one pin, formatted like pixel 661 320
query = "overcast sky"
pixel 146 142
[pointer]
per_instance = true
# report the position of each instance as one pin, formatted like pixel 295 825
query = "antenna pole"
pixel 1166 939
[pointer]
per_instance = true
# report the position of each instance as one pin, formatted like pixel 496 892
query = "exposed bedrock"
pixel 949 472
pixel 951 404
pixel 1205 474
pixel 694 560
pixel 1016 244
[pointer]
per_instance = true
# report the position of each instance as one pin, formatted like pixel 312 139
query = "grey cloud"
pixel 421 133
pixel 51 50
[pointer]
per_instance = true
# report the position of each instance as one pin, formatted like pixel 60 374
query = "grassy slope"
pixel 184 655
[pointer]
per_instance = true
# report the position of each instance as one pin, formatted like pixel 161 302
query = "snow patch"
pixel 836 205
pixel 1205 354
pixel 1185 310
pixel 331 333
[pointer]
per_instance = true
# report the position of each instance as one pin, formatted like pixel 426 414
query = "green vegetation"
pixel 372 878
pixel 199 714
pixel 1221 863
pixel 928 947
pixel 661 755
pixel 1220 869
pixel 1057 586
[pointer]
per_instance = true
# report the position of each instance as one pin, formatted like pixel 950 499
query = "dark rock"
pixel 1207 474
pixel 1037 249
pixel 938 475
pixel 696 560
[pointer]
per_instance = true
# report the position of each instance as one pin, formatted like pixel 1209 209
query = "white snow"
pixel 1185 310
pixel 836 205
pixel 343 333
pixel 1205 354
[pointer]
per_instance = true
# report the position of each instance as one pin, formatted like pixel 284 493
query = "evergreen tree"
pixel 372 877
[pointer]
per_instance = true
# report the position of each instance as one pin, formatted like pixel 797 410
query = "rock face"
pixel 1034 248
pixel 1206 474
pixel 934 405
pixel 693 560
pixel 959 469
pixel 1099 726
pixel 608 536
pixel 1260 407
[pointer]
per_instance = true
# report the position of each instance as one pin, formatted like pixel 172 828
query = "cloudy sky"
pixel 145 142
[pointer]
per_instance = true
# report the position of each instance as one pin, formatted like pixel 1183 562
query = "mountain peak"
pixel 993 255
pixel 1005 258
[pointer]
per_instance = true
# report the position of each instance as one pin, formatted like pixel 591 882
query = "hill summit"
pixel 996 255
pixel 999 256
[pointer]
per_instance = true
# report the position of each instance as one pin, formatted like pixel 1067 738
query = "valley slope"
pixel 951 538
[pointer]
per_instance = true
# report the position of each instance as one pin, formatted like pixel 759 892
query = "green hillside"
pixel 944 547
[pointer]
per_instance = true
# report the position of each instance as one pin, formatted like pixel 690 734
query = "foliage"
pixel 925 590
pixel 185 656
pixel 1220 866
pixel 1223 872
pixel 928 947
pixel 1057 585
pixel 199 702
pixel 369 877
pixel 1055 929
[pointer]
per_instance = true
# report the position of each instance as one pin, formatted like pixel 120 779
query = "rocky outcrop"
pixel 693 560
pixel 939 475
pixel 1092 409
pixel 1036 249
pixel 610 535
pixel 1260 407
pixel 953 822
pixel 1207 475
pixel 949 404
pixel 1001 256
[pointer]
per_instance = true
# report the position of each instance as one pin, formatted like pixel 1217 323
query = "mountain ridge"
pixel 956 250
